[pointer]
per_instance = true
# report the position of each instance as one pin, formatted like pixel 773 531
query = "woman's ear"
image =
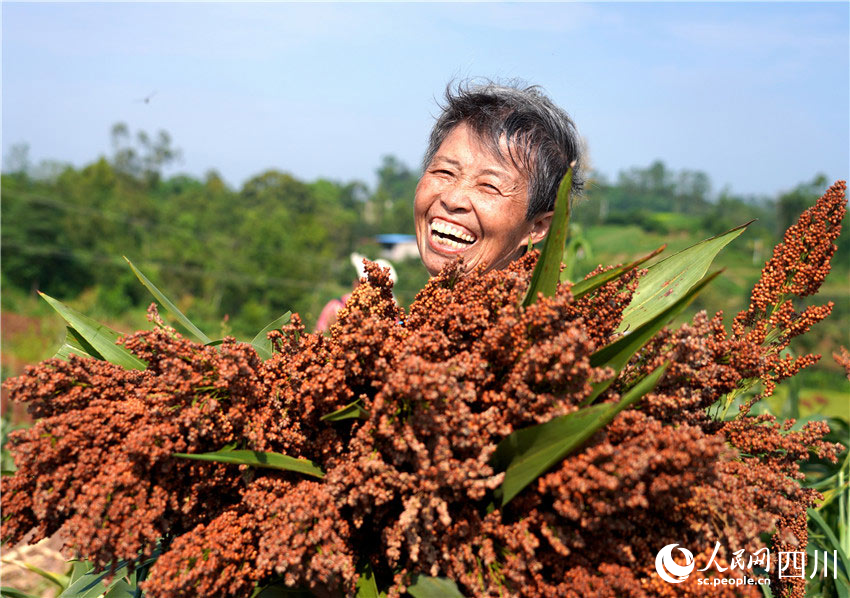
pixel 540 227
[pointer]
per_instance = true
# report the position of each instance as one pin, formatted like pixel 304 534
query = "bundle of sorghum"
pixel 408 486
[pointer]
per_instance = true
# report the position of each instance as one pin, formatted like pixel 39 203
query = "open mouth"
pixel 451 236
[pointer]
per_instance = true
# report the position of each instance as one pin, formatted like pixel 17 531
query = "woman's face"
pixel 469 203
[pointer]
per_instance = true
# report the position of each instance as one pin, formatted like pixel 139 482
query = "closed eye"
pixel 491 187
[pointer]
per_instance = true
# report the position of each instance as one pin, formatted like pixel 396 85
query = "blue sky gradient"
pixel 755 94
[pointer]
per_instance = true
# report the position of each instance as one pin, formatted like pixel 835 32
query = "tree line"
pixel 278 243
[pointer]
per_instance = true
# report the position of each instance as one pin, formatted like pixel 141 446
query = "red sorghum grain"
pixel 406 488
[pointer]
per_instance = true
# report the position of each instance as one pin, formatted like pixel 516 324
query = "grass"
pixel 825 402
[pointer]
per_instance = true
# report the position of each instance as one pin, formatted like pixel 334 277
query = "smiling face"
pixel 470 203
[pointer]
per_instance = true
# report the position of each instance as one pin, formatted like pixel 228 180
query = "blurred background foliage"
pixel 236 258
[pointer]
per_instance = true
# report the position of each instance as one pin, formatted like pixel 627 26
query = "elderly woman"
pixel 494 162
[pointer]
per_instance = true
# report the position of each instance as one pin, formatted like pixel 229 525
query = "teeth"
pixel 449 229
pixel 450 243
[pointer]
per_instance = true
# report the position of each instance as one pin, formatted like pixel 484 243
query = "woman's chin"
pixel 435 261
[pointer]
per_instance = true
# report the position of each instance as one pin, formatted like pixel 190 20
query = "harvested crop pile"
pixel 407 486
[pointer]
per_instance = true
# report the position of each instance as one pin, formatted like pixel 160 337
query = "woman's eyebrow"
pixel 449 161
pixel 496 173
pixel 500 174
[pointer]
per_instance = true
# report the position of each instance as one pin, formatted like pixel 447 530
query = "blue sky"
pixel 757 95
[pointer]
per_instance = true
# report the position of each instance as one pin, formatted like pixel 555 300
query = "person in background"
pixel 329 313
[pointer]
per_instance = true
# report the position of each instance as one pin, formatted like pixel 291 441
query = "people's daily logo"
pixel 670 570
pixel 752 569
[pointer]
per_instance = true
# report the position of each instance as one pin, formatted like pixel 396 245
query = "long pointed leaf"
pixel 815 545
pixel 588 285
pixel 279 590
pixel 351 411
pixel 57 579
pixel 76 345
pixel 367 587
pixel 258 459
pixel 839 576
pixel 92 585
pixel 79 568
pixel 100 337
pixel 617 354
pixel 122 589
pixel 166 302
pixel 831 494
pixel 544 278
pixel 830 535
pixel 263 345
pixel 528 453
pixel 433 587
pixel 671 278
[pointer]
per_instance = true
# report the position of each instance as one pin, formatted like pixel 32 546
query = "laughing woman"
pixel 494 162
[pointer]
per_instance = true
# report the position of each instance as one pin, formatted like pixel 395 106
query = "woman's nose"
pixel 456 199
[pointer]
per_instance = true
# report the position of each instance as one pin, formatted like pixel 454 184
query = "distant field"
pixel 814 401
pixel 742 261
pixel 32 332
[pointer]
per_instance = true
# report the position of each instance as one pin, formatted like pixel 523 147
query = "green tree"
pixel 142 158
pixel 392 202
pixel 791 204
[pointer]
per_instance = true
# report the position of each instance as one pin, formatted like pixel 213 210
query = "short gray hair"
pixel 542 140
